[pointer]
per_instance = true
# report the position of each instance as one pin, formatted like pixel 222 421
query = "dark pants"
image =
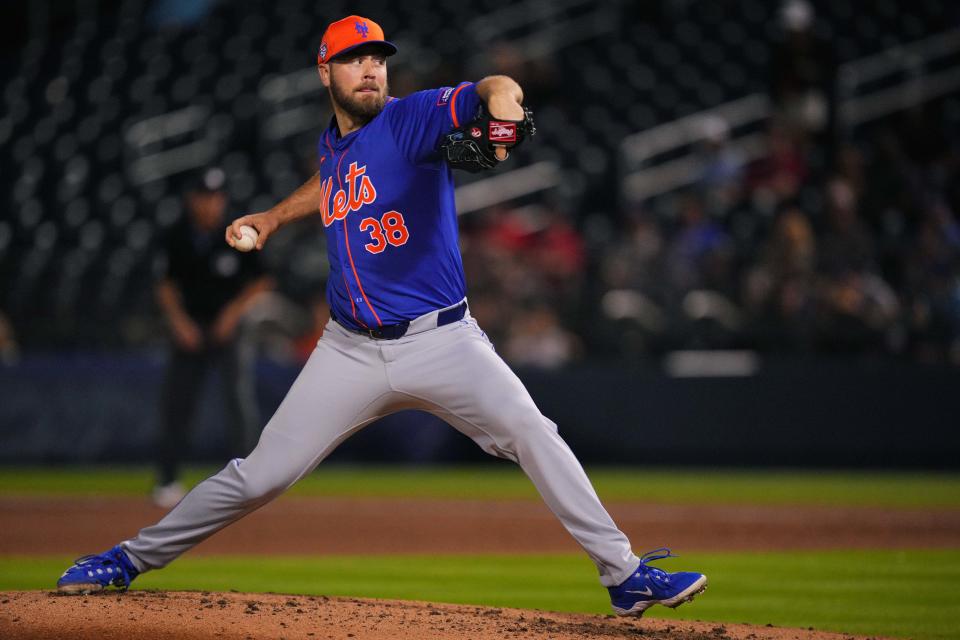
pixel 182 390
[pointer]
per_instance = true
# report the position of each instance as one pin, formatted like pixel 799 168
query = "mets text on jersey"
pixel 390 229
pixel 361 192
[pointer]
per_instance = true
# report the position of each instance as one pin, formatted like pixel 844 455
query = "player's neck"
pixel 346 122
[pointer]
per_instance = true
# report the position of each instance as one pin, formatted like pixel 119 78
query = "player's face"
pixel 358 83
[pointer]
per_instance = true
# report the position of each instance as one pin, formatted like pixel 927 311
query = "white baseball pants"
pixel 352 380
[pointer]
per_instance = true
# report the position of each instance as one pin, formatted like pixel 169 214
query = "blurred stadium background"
pixel 734 239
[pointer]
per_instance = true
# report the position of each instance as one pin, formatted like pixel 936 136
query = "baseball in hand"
pixel 248 239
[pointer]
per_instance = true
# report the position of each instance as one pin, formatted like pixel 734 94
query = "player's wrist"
pixel 504 106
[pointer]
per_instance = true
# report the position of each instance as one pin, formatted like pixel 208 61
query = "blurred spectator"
pixel 803 72
pixel 9 351
pixel 847 244
pixel 857 313
pixel 721 167
pixel 849 165
pixel 203 293
pixel 933 280
pixel 508 230
pixel 559 254
pixel 538 340
pixel 516 258
pixel 858 308
pixel 777 177
pixel 699 256
pixel 633 288
pixel 635 260
pixel 780 289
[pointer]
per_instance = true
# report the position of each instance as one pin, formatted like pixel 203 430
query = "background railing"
pixel 665 158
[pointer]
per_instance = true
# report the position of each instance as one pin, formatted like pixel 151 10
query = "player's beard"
pixel 363 111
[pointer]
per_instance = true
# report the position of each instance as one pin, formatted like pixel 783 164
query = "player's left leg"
pixel 456 374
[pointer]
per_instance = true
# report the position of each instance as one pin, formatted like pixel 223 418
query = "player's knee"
pixel 548 424
pixel 261 489
pixel 529 432
pixel 534 424
pixel 258 485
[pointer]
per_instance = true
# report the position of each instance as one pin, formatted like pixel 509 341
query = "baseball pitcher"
pixel 400 335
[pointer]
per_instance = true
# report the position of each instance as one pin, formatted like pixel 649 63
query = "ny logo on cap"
pixel 361 28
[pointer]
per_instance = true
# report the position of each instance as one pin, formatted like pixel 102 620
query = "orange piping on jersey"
pixel 353 307
pixel 355 275
pixel 453 104
pixel 346 241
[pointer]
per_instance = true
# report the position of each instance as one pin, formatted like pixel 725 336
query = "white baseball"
pixel 248 239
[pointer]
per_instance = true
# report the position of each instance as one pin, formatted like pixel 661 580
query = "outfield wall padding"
pixel 57 408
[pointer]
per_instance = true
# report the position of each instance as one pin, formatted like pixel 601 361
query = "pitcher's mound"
pixel 184 615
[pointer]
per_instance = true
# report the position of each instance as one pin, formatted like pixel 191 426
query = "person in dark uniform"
pixel 205 289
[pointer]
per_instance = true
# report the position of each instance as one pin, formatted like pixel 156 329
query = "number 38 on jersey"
pixel 387 230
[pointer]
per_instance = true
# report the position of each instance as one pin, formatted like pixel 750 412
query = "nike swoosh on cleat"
pixel 646 592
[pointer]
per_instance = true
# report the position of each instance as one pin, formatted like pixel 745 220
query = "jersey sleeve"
pixel 421 119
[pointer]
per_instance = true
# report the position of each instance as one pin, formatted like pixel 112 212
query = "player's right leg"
pixel 342 388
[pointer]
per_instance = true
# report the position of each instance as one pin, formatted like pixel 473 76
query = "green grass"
pixel 890 489
pixel 913 594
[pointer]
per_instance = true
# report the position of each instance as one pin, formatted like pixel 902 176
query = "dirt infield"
pixel 33 615
pixel 338 525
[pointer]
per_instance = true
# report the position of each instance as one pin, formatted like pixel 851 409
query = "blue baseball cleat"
pixel 649 586
pixel 90 574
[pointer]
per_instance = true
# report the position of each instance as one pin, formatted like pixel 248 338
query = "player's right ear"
pixel 324 71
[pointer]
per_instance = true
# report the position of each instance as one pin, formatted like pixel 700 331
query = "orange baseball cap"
pixel 348 34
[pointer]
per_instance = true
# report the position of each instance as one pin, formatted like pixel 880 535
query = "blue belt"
pixel 394 331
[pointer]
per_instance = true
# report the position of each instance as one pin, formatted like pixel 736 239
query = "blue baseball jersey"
pixel 388 209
